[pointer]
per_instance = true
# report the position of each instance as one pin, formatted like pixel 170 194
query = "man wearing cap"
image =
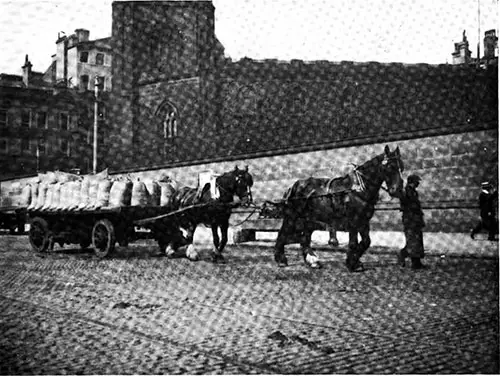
pixel 413 222
pixel 488 221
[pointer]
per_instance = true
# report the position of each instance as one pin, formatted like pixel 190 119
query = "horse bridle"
pixel 238 180
pixel 360 175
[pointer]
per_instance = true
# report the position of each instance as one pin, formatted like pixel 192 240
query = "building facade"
pixel 78 61
pixel 46 119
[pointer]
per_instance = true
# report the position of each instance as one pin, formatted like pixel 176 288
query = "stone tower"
pixel 164 58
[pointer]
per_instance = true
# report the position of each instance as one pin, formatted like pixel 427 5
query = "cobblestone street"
pixel 68 312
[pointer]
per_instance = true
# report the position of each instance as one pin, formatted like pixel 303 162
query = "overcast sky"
pixel 408 31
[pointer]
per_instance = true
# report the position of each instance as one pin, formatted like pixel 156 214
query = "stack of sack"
pixel 61 191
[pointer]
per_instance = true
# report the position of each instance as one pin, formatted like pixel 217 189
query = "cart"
pixel 102 228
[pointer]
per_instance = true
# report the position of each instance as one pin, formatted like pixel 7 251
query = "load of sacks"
pixel 55 191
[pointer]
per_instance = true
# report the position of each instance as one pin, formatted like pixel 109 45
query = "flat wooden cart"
pixel 101 228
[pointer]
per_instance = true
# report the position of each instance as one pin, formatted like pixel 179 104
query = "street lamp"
pixel 96 120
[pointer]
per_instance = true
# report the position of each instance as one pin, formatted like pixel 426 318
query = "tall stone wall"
pixel 278 105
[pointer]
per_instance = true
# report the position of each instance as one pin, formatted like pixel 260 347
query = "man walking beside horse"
pixel 413 222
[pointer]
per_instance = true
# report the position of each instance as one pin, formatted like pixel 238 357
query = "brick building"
pixel 46 118
pixel 78 61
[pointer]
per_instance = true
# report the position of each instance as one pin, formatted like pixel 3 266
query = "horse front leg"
pixel 364 231
pixel 286 231
pixel 310 257
pixel 352 260
pixel 219 244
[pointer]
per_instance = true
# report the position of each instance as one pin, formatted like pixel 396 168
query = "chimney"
pixel 82 35
pixel 27 71
pixel 490 44
pixel 62 57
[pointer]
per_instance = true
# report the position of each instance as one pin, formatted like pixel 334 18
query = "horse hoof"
pixel 354 267
pixel 169 252
pixel 281 260
pixel 217 258
pixel 192 254
pixel 312 261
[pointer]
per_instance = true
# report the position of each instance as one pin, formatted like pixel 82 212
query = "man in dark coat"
pixel 487 200
pixel 413 222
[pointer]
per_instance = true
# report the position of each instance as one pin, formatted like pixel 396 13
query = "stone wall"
pixel 273 105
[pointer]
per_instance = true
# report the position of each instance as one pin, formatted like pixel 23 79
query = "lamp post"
pixel 96 120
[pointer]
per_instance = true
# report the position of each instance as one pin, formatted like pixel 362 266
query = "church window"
pixel 168 127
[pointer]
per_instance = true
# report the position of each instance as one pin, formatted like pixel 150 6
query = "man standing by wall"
pixel 487 199
pixel 413 222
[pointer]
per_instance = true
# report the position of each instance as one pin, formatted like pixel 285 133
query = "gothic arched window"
pixel 167 120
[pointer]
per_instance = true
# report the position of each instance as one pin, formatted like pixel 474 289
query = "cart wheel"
pixel 103 237
pixel 39 234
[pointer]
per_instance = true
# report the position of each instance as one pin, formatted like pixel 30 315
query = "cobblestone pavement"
pixel 68 312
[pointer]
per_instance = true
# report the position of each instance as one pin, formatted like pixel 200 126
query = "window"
pixel 25 119
pixel 84 57
pixel 25 144
pixel 101 80
pixel 3 118
pixel 3 145
pixel 41 146
pixel 41 120
pixel 63 122
pixel 84 82
pixel 99 59
pixel 64 146
pixel 170 125
pixel 33 145
pixel 71 122
pixel 15 146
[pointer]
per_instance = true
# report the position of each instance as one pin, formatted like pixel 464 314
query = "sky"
pixel 406 31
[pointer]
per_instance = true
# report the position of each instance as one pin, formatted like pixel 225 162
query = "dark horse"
pixel 202 208
pixel 346 203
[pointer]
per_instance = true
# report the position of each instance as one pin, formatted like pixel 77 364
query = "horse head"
pixel 391 168
pixel 237 182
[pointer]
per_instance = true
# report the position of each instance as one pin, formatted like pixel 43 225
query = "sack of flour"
pixel 103 193
pixel 167 191
pixel 140 196
pixel 34 195
pixel 120 194
pixel 154 192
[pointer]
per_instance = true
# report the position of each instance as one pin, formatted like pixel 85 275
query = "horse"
pixel 346 202
pixel 202 208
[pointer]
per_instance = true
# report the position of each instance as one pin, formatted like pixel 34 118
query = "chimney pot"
pixel 82 35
